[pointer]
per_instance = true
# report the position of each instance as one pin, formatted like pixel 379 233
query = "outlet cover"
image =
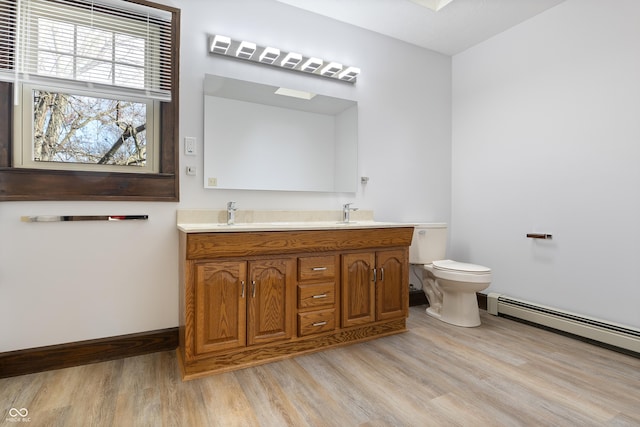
pixel 189 146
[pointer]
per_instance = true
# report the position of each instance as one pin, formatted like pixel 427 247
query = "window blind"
pixel 109 46
pixel 8 25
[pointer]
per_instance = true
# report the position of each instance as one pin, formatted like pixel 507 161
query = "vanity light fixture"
pixel 331 69
pixel 269 55
pixel 291 60
pixel 246 50
pixel 219 44
pixel 349 74
pixel 312 65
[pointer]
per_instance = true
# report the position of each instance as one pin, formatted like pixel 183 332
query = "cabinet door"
pixel 392 285
pixel 271 300
pixel 220 312
pixel 358 289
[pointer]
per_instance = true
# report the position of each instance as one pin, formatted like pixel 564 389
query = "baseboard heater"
pixel 609 333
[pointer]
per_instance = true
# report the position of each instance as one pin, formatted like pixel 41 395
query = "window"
pixel 68 131
pixel 95 104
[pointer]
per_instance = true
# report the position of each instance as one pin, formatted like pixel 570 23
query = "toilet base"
pixel 467 323
pixel 433 313
pixel 460 309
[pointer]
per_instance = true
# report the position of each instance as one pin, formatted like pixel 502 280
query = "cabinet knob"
pixel 320 296
pixel 242 284
pixel 318 268
pixel 319 323
pixel 253 289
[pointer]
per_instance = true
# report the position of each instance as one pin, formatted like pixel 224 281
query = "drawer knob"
pixel 320 296
pixel 319 323
pixel 318 268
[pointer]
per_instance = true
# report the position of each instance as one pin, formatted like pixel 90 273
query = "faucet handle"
pixel 231 206
pixel 347 206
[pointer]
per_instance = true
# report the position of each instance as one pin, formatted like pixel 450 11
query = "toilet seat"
pixel 460 271
pixel 450 265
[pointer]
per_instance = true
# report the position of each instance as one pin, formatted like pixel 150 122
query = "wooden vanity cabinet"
pixel 374 286
pixel 270 300
pixel 358 293
pixel 253 297
pixel 220 306
pixel 239 303
pixel 316 294
pixel 392 296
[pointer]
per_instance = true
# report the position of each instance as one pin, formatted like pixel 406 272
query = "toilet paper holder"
pixel 544 236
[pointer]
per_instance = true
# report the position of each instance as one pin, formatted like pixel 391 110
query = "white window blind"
pixel 109 46
pixel 8 25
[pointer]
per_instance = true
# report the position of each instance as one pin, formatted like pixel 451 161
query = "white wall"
pixel 404 96
pixel 65 282
pixel 546 131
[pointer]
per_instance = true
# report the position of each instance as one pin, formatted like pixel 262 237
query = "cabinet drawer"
pixel 315 322
pixel 316 267
pixel 316 295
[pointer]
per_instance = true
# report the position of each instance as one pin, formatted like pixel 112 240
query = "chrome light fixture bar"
pixel 249 51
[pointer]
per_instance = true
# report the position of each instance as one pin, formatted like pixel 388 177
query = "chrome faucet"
pixel 346 211
pixel 231 213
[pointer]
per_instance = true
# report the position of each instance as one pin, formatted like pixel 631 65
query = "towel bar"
pixel 60 218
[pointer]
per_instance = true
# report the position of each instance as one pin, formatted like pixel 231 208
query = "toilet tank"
pixel 429 243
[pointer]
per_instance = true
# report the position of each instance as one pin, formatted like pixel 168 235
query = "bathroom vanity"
pixel 255 292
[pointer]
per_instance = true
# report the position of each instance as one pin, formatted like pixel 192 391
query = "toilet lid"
pixel 449 265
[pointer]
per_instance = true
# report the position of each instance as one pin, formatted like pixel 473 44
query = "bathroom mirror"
pixel 256 139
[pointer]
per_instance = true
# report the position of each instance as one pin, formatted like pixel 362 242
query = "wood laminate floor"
pixel 502 373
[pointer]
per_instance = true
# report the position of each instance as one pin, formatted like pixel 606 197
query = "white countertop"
pixel 208 221
pixel 285 225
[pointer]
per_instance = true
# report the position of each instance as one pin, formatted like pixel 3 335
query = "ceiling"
pixel 457 26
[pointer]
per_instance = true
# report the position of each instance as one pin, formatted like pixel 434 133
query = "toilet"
pixel 450 286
